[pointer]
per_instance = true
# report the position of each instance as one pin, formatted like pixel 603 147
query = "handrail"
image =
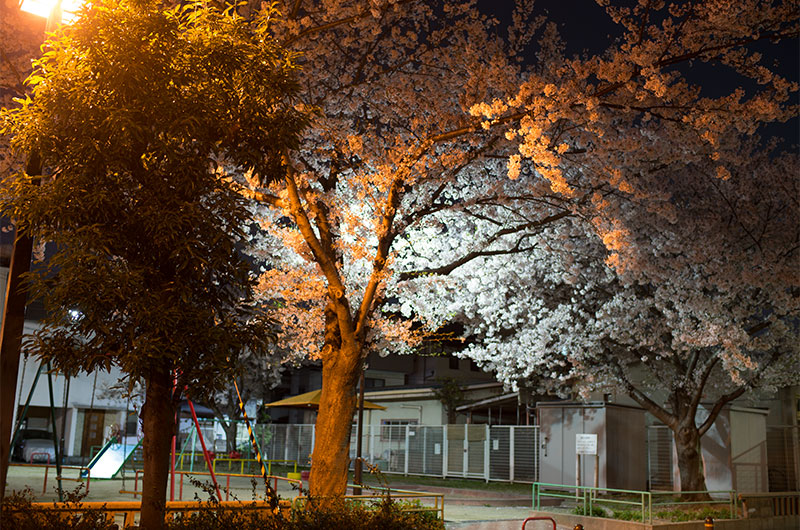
pixel 589 495
pixel 438 498
pixel 781 502
pixel 243 460
pixel 525 522
pixel 135 491
pixel 62 477
pixel 130 509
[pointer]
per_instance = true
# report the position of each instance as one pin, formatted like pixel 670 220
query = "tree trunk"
pixel 230 434
pixel 158 418
pixel 690 461
pixel 330 460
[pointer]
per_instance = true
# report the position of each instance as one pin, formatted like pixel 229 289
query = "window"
pixel 394 430
pixel 371 382
pixel 454 363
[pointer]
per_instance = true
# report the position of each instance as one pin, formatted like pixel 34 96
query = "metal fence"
pixel 659 458
pixel 783 454
pixel 497 453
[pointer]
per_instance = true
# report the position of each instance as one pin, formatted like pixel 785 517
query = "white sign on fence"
pixel 586 444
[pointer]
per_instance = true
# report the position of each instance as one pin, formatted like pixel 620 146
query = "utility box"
pixel 609 437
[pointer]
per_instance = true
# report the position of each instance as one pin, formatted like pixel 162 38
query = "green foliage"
pixel 135 111
pixel 595 511
pixel 451 395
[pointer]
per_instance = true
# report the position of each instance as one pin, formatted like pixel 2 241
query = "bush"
pixel 18 514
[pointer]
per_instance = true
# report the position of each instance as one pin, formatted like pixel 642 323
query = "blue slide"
pixel 112 457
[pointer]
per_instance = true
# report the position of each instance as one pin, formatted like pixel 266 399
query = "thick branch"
pixel 450 267
pixel 641 398
pixel 336 289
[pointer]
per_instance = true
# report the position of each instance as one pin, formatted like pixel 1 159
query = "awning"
pixel 310 400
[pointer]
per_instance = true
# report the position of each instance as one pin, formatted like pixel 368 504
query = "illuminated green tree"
pixel 136 110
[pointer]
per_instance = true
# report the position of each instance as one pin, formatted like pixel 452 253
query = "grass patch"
pixel 677 515
pixel 694 514
pixel 593 511
pixel 397 481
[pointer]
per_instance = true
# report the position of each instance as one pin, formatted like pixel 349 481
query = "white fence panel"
pixel 500 452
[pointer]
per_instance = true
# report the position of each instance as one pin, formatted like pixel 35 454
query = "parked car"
pixel 34 445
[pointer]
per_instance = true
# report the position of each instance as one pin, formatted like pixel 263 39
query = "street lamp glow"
pixel 46 8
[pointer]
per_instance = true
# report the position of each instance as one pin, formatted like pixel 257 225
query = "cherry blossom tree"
pixel 694 310
pixel 435 121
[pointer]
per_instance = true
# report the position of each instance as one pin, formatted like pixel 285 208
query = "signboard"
pixel 586 444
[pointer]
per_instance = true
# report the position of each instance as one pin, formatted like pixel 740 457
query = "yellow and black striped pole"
pixel 271 493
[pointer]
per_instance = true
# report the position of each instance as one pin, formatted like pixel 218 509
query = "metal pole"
pixel 64 418
pixel 359 432
pixel 209 463
pixel 55 432
pixel 271 492
pixel 25 408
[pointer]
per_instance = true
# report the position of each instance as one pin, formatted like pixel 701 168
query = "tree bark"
pixel 230 428
pixel 690 460
pixel 330 460
pixel 158 415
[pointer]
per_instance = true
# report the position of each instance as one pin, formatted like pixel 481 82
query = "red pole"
pixel 174 434
pixel 209 463
pixel 172 472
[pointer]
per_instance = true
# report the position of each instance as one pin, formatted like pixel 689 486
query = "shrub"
pixel 18 514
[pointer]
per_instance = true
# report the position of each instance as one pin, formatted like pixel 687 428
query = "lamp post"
pixel 16 296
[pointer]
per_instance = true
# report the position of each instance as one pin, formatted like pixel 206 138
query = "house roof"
pixel 488 402
pixel 403 394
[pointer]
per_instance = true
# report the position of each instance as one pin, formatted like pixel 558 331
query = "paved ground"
pixel 465 509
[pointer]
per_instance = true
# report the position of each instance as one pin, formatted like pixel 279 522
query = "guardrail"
pixel 135 491
pixel 394 494
pixel 128 511
pixel 588 496
pixel 47 467
pixel 241 461
pixel 775 503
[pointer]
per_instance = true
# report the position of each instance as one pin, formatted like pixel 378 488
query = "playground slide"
pixel 112 456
